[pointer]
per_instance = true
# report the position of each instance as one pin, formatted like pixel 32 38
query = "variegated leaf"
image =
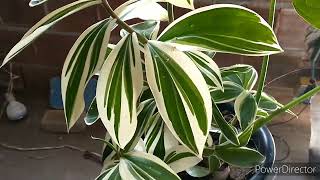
pixel 45 23
pixel 110 174
pixel 158 139
pixel 230 92
pixel 33 3
pixel 247 78
pixel 234 69
pixel 84 59
pixel 143 9
pixel 146 110
pixel 92 115
pixel 208 68
pixel 144 166
pixel 179 158
pixel 181 94
pixel 119 86
pixel 180 3
pixel 246 109
pixel 148 29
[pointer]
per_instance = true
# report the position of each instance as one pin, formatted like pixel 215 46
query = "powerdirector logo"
pixel 287 169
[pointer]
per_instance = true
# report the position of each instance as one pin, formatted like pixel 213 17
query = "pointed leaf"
pixel 110 174
pixel 246 109
pixel 119 86
pixel 92 115
pixel 181 94
pixel 309 11
pixel 230 92
pixel 45 23
pixel 235 69
pixel 208 68
pixel 240 156
pixel 84 59
pixel 223 28
pixel 33 3
pixel 139 165
pixel 148 29
pixel 246 79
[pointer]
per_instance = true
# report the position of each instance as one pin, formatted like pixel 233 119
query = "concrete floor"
pixel 65 164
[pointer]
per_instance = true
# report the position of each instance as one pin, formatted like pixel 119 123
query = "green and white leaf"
pixel 34 3
pixel 247 79
pixel 45 23
pixel 159 139
pixel 143 9
pixel 84 59
pixel 309 11
pixel 179 158
pixel 180 3
pixel 92 115
pixel 235 69
pixel 181 94
pixel 230 92
pixel 148 29
pixel 226 129
pixel 144 166
pixel 146 110
pixel 119 86
pixel 246 109
pixel 198 171
pixel 208 68
pixel 227 28
pixel 110 174
pixel 240 156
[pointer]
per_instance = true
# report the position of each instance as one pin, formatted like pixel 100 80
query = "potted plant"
pixel 158 95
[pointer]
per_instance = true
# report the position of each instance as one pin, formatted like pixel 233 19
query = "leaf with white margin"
pixel 180 3
pixel 230 92
pixel 208 68
pixel 92 115
pixel 158 138
pixel 246 109
pixel 140 165
pixel 148 29
pixel 45 23
pixel 223 28
pixel 34 3
pixel 143 9
pixel 119 86
pixel 234 69
pixel 84 60
pixel 247 79
pixel 179 158
pixel 181 94
pixel 110 174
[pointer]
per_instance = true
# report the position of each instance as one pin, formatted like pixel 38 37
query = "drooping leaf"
pixel 119 86
pixel 143 9
pixel 33 3
pixel 240 156
pixel 309 11
pixel 92 115
pixel 179 158
pixel 146 110
pixel 181 94
pixel 139 165
pixel 148 29
pixel 45 23
pixel 84 60
pixel 208 68
pixel 223 28
pixel 230 92
pixel 226 129
pixel 246 109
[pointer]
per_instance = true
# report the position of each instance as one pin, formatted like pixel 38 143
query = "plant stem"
pixel 121 23
pixel 170 9
pixel 265 62
pixel 262 121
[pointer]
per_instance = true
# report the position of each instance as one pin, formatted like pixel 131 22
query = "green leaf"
pixel 179 158
pixel 223 28
pixel 181 94
pixel 84 60
pixel 143 9
pixel 146 110
pixel 235 69
pixel 158 138
pixel 198 171
pixel 309 11
pixel 230 92
pixel 148 29
pixel 208 68
pixel 226 129
pixel 33 3
pixel 181 3
pixel 119 86
pixel 139 165
pixel 246 79
pixel 108 152
pixel 246 109
pixel 262 113
pixel 45 23
pixel 92 115
pixel 214 163
pixel 110 174
pixel 240 156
